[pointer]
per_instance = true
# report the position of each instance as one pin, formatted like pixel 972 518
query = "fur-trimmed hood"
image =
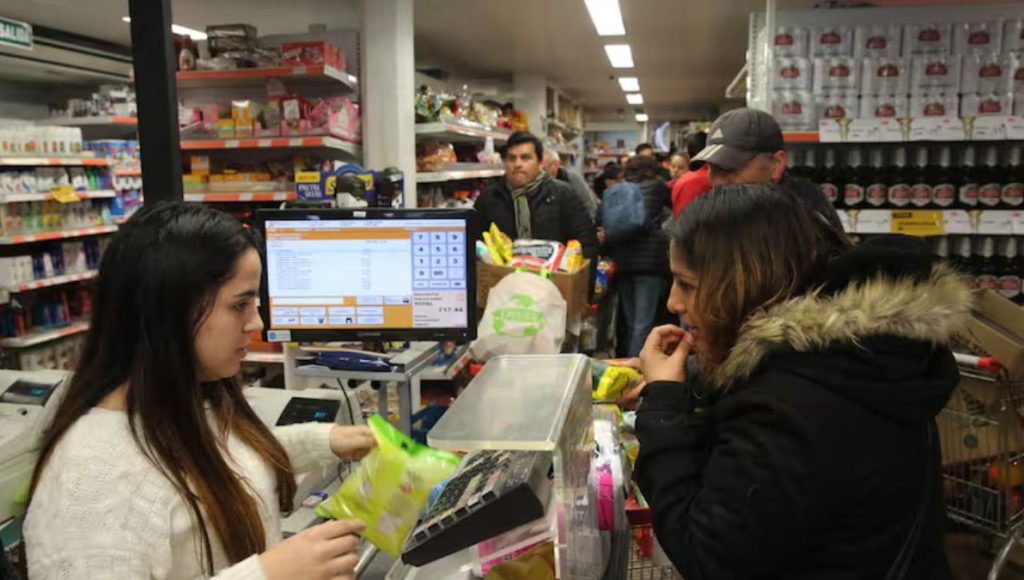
pixel 931 311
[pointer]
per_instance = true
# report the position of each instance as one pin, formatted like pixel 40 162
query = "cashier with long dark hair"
pixel 809 449
pixel 155 466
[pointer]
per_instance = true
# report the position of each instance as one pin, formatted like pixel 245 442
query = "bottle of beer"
pixel 986 271
pixel 877 194
pixel 810 167
pixel 900 178
pixel 856 179
pixel 964 262
pixel 990 190
pixel 1009 274
pixel 921 187
pixel 944 180
pixel 829 183
pixel 942 248
pixel 968 192
pixel 1013 189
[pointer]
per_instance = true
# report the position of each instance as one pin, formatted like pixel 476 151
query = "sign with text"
pixel 16 34
pixel 921 222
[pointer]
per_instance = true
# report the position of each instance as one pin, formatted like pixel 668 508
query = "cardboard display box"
pixel 574 287
pixel 996 328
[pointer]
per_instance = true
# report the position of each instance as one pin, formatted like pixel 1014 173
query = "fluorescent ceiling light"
pixel 635 99
pixel 630 84
pixel 178 29
pixel 607 17
pixel 641 117
pixel 619 55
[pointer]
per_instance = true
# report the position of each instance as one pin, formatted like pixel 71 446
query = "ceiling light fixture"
pixel 641 117
pixel 620 55
pixel 635 99
pixel 178 29
pixel 630 84
pixel 607 17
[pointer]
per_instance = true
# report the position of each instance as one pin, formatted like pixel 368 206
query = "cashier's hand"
pixel 352 442
pixel 325 551
pixel 663 357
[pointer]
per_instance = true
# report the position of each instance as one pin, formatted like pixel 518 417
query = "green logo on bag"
pixel 520 317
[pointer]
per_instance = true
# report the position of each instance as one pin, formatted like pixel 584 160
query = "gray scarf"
pixel 521 201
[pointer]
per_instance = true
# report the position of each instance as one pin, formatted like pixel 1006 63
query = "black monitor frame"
pixel 386 334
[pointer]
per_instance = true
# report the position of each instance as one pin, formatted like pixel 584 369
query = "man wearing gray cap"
pixel 746 146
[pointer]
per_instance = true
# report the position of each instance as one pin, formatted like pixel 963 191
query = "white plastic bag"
pixel 525 315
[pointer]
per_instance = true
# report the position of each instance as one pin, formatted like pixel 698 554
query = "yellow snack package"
pixel 390 487
pixel 502 242
pixel 492 248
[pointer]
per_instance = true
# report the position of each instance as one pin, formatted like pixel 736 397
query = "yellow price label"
pixel 307 177
pixel 920 222
pixel 64 194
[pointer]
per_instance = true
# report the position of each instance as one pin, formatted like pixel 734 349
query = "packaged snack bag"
pixel 390 487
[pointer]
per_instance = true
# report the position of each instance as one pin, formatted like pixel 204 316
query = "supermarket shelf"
pixel 933 222
pixel 330 143
pixel 269 358
pixel 128 172
pixel 27 161
pixel 47 236
pixel 446 372
pixel 98 194
pixel 111 121
pixel 55 281
pixel 41 336
pixel 313 74
pixel 460 132
pixel 801 137
pixel 229 197
pixel 441 176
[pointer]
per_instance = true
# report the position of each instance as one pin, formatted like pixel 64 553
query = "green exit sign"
pixel 16 34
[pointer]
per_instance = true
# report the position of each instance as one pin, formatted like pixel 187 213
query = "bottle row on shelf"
pixel 41 312
pixel 933 180
pixel 54 354
pixel 984 265
pixel 51 264
pixel 40 217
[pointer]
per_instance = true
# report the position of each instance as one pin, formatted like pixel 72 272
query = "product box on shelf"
pixel 1015 73
pixel 312 53
pixel 1018 104
pixel 572 286
pixel 790 41
pixel 295 112
pixel 927 38
pixel 16 270
pixel 795 110
pixel 242 119
pixel 884 106
pixel 792 73
pixel 267 121
pixel 837 73
pixel 929 72
pixel 223 38
pixel 884 75
pixel 995 329
pixel 986 105
pixel 934 104
pixel 877 41
pixel 978 37
pixel 1013 35
pixel 831 40
pixel 986 73
pixel 838 105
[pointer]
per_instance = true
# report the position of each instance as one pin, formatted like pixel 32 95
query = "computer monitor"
pixel 368 274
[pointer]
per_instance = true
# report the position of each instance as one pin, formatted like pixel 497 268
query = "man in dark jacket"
pixel 528 203
pixel 746 146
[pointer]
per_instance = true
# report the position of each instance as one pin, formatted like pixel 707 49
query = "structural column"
pixel 531 91
pixel 389 116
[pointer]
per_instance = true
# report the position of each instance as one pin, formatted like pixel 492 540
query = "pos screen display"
pixel 374 275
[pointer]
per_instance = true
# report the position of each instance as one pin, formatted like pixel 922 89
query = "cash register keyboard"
pixel 491 493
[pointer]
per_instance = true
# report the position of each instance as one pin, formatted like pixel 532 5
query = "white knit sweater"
pixel 102 511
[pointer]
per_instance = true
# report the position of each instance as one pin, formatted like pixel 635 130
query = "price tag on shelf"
pixel 988 129
pixel 64 194
pixel 1014 127
pixel 937 129
pixel 862 131
pixel 891 130
pixel 995 222
pixel 844 218
pixel 957 221
pixel 1017 217
pixel 829 131
pixel 919 222
pixel 874 221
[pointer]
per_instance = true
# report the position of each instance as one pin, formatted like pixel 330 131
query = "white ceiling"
pixel 686 52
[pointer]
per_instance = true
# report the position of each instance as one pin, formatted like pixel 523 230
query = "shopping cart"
pixel 646 561
pixel 982 434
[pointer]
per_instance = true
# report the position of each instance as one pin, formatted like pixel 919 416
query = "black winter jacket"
pixel 810 458
pixel 556 213
pixel 647 253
